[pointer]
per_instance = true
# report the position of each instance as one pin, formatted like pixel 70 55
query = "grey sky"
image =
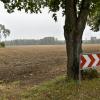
pixel 35 26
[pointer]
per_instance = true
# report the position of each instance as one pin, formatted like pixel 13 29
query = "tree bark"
pixel 73 48
pixel 73 31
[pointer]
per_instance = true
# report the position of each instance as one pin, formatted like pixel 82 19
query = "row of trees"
pixel 76 12
pixel 97 41
pixel 44 41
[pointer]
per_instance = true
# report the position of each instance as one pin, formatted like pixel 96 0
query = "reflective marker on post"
pixel 89 60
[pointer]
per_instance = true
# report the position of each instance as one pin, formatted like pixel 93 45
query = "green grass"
pixel 57 89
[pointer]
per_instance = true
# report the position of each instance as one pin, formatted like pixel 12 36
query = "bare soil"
pixel 32 64
pixel 35 64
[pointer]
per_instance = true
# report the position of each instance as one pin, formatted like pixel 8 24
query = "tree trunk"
pixel 73 30
pixel 73 48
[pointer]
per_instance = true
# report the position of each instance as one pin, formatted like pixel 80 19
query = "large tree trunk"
pixel 73 30
pixel 73 48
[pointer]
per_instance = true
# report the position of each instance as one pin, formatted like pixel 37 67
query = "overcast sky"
pixel 36 26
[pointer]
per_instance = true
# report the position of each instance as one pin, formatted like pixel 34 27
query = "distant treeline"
pixel 44 41
pixel 95 41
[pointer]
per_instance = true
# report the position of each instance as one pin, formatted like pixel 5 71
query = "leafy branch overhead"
pixel 94 16
pixel 34 6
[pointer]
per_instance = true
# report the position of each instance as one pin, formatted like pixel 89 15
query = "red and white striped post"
pixel 89 60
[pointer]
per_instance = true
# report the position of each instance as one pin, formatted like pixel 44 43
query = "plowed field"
pixel 35 64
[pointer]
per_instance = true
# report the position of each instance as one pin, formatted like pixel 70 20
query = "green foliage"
pixel 3 31
pixel 54 5
pixel 5 1
pixel 34 6
pixel 64 90
pixel 56 89
pixel 94 16
pixel 89 74
pixel 2 44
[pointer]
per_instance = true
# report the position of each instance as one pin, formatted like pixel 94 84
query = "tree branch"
pixel 82 18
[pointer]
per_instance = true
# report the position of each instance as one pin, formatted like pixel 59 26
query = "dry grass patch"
pixel 56 89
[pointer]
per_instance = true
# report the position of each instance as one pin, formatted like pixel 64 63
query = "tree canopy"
pixel 34 6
